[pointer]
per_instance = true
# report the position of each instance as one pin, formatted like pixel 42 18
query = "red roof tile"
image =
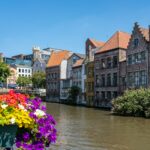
pixel 118 40
pixel 57 57
pixel 78 63
pixel 145 33
pixel 97 43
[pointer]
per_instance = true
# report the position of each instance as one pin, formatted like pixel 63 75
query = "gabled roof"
pixel 97 43
pixel 57 57
pixel 78 63
pixel 118 40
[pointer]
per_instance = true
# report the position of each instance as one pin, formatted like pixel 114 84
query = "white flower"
pixel 12 120
pixel 39 113
pixel 4 106
pixel 21 107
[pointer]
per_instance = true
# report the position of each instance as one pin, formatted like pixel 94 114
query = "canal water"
pixel 82 128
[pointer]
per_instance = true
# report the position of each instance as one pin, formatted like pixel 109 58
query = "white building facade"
pixel 66 75
pixel 23 71
pixel 78 79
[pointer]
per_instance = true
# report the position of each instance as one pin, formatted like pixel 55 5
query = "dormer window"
pixel 90 47
pixel 136 42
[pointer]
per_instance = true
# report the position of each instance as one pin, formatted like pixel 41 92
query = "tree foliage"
pixel 24 81
pixel 73 93
pixel 133 103
pixel 39 80
pixel 4 72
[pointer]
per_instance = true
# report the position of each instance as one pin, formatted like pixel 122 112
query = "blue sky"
pixel 65 24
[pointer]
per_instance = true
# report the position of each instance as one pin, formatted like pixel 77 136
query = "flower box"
pixel 36 128
pixel 7 135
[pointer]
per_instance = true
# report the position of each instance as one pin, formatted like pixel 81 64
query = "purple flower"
pixel 43 108
pixel 38 135
pixel 18 144
pixel 43 133
pixel 26 136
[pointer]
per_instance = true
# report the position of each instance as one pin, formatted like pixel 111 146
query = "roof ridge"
pixel 109 39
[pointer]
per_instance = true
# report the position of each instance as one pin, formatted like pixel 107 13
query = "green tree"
pixel 73 93
pixel 4 72
pixel 39 80
pixel 24 81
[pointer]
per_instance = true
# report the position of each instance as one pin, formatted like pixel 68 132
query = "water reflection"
pixel 90 129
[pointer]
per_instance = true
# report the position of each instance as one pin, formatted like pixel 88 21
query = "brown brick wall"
pixel 53 83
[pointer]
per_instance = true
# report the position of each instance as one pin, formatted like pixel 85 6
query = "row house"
pixel 108 63
pixel 66 80
pixel 22 70
pixel 54 73
pixel 91 46
pixel 138 58
pixel 78 79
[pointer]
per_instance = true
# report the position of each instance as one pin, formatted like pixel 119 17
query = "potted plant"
pixel 25 122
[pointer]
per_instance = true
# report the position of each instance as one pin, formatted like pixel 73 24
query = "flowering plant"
pixel 36 127
pixel 13 110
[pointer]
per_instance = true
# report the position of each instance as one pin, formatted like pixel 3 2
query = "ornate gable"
pixel 139 37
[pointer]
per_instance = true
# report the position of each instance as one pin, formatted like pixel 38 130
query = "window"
pixel 114 79
pixel 130 78
pixel 90 47
pixel 123 80
pixel 97 94
pixel 96 65
pixel 139 57
pixel 136 42
pixel 129 59
pixel 28 70
pixel 143 77
pixel 103 80
pixel 103 64
pixel 97 80
pixel 143 57
pixel 136 57
pixel 115 61
pixel 108 62
pixel 136 78
pixel 19 70
pixel 109 95
pixel 109 79
pixel 74 59
pixel 133 59
pixel 23 70
pixel 103 95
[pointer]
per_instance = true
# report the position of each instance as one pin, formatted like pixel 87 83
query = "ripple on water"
pixel 89 129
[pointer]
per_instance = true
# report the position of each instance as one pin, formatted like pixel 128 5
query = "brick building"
pixel 110 69
pixel 91 46
pixel 138 58
pixel 54 73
